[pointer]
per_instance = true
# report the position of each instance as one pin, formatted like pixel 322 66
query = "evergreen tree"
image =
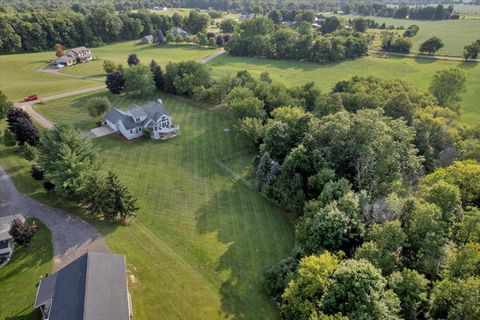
pixel 118 202
pixel 157 75
pixel 20 124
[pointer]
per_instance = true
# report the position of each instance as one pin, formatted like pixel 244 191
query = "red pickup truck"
pixel 31 97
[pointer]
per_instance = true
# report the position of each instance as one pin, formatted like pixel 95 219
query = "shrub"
pixel 36 172
pixel 9 138
pixel 47 185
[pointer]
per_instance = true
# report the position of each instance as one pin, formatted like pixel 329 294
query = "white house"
pixel 6 242
pixel 138 120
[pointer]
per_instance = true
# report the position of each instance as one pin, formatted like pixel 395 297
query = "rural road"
pixel 44 122
pixel 71 236
pixel 212 56
pixel 420 56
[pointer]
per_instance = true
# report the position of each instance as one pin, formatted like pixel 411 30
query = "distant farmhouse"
pixel 147 39
pixel 138 121
pixel 160 8
pixel 74 56
pixel 92 287
pixel 7 245
pixel 179 32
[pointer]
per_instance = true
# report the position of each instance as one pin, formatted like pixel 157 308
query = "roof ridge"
pixel 87 268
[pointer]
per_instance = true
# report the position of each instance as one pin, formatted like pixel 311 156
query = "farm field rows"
pixel 415 71
pixel 455 34
pixel 201 239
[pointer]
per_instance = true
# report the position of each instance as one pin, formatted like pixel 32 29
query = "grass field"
pixel 201 239
pixel 455 34
pixel 19 278
pixel 20 76
pixel 415 71
pixel 118 53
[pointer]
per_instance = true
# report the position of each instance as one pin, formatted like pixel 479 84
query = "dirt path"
pixel 44 122
pixel 71 236
pixel 212 56
pixel 420 56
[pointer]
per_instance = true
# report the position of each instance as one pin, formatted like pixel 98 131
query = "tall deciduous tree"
pixel 139 80
pixel 447 85
pixel 431 45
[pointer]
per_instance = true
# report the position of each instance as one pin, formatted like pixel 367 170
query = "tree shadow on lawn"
pixel 33 315
pixel 256 238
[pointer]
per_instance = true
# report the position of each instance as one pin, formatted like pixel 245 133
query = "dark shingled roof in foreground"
pixel 93 287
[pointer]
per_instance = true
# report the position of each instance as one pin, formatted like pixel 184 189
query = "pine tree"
pixel 118 202
pixel 95 200
pixel 263 169
pixel 157 75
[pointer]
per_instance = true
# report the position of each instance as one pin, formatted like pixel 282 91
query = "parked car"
pixel 31 97
pixel 60 66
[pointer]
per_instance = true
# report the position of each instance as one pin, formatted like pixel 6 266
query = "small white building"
pixel 7 245
pixel 137 121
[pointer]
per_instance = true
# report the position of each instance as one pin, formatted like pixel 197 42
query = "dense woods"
pixel 260 37
pixel 43 29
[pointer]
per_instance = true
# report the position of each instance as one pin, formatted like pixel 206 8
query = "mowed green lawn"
pixel 455 34
pixel 201 239
pixel 20 76
pixel 118 53
pixel 418 72
pixel 20 277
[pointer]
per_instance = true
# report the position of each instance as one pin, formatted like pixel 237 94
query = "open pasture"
pixel 418 72
pixel 118 53
pixel 455 34
pixel 21 75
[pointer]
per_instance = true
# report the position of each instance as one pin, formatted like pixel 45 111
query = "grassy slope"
pixel 19 278
pixel 20 76
pixel 454 33
pixel 201 239
pixel 415 71
pixel 118 52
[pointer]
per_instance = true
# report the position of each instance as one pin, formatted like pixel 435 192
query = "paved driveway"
pixel 71 236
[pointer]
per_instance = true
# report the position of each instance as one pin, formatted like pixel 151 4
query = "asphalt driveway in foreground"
pixel 71 236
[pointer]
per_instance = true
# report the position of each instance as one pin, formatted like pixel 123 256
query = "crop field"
pixel 20 76
pixel 19 278
pixel 415 71
pixel 118 53
pixel 201 239
pixel 455 34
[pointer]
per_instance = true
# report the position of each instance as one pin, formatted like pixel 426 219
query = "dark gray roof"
pixel 153 110
pixel 93 287
pixel 114 115
pixel 136 111
pixel 79 49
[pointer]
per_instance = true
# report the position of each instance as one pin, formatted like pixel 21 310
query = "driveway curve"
pixel 71 236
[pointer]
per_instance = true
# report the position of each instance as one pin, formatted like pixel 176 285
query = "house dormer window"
pixel 137 119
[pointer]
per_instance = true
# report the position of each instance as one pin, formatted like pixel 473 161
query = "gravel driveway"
pixel 71 236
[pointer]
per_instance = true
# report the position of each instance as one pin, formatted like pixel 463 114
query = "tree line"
pixel 42 29
pixel 261 37
pixel 438 12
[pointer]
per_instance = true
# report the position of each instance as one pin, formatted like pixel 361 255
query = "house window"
pixel 131 131
pixel 137 119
